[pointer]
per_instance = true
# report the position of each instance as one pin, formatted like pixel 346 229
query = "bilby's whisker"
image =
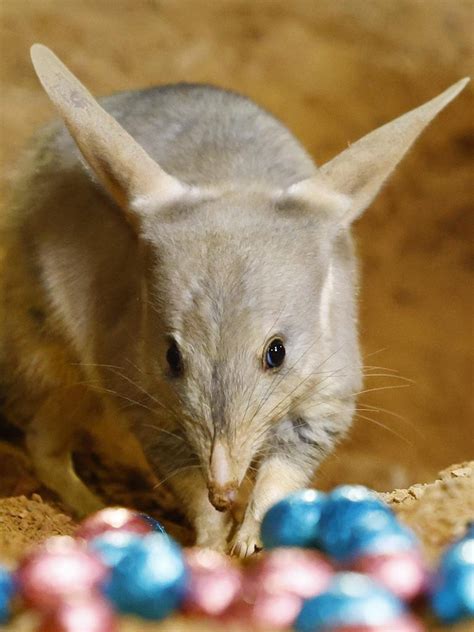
pixel 392 376
pixel 109 391
pixel 302 382
pixel 372 353
pixel 257 376
pixel 385 427
pixel 174 473
pixel 164 431
pixel 380 388
pixel 272 387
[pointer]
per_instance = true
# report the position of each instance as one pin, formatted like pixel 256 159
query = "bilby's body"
pixel 195 282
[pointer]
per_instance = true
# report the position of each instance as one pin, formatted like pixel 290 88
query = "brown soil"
pixel 332 71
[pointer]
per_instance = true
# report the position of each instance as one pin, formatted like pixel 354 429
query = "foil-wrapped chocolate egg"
pixel 147 576
pixel 276 585
pixel 293 521
pixel 405 624
pixel 117 519
pixel 7 590
pixel 355 522
pixel 153 522
pixel 266 612
pixel 458 554
pixel 452 597
pixel 404 573
pixel 367 539
pixel 214 582
pixel 303 573
pixel 469 533
pixel 84 615
pixel 352 599
pixel 60 568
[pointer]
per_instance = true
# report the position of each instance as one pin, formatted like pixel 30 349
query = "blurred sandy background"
pixel 332 70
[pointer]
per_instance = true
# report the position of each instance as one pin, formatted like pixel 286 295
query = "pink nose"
pixel 222 484
pixel 222 497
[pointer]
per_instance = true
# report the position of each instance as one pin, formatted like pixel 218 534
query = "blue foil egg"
pixel 354 521
pixel 452 597
pixel 469 530
pixel 458 555
pixel 7 589
pixel 352 599
pixel 370 538
pixel 293 521
pixel 154 524
pixel 148 576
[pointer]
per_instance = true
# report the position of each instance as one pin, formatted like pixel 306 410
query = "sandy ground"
pixel 332 71
pixel 437 512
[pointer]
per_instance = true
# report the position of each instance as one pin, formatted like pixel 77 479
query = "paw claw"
pixel 245 548
pixel 246 541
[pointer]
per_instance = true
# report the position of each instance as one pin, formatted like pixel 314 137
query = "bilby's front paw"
pixel 212 532
pixel 90 507
pixel 216 543
pixel 82 501
pixel 246 541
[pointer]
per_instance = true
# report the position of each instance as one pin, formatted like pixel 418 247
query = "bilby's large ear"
pixel 120 163
pixel 351 180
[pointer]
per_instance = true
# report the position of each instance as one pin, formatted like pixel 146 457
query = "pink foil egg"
pixel 87 615
pixel 58 569
pixel 113 519
pixel 403 573
pixel 266 612
pixel 299 572
pixel 214 582
pixel 407 624
pixel 276 584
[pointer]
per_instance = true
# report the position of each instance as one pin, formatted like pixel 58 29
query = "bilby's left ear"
pixel 135 181
pixel 351 180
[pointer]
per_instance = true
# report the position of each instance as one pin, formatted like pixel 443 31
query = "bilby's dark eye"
pixel 275 354
pixel 174 359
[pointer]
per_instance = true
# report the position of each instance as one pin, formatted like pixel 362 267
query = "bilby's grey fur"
pixel 209 224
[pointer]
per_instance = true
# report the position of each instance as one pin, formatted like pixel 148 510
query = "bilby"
pixel 177 264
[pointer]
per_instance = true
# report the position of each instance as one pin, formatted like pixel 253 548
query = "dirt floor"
pixel 437 512
pixel 332 71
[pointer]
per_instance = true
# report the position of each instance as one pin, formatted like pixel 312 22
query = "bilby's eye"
pixel 275 354
pixel 174 359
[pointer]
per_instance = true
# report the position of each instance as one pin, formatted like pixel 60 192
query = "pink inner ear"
pixel 316 192
pixel 121 164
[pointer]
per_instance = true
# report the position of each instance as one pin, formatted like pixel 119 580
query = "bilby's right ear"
pixel 348 183
pixel 135 181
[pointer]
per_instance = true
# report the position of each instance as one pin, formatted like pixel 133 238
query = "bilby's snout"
pixel 222 484
pixel 222 498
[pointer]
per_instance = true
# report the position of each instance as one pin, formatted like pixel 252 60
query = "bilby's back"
pixel 203 135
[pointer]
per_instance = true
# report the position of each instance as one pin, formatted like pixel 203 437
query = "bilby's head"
pixel 246 323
